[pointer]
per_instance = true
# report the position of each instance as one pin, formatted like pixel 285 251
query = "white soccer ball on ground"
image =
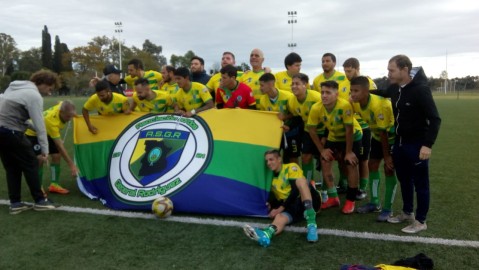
pixel 162 207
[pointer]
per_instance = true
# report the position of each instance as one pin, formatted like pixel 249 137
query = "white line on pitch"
pixel 232 223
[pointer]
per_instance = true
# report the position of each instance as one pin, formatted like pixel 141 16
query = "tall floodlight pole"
pixel 292 20
pixel 118 30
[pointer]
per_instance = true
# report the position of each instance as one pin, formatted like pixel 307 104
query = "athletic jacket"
pixel 416 115
pixel 20 102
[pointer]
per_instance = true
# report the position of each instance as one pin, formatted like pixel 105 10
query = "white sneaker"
pixel 401 218
pixel 415 227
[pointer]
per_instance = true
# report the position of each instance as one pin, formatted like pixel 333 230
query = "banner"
pixel 212 163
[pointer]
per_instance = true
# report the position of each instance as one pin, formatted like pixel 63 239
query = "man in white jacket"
pixel 22 101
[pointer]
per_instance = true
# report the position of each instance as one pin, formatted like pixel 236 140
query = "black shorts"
pixel 295 211
pixel 308 145
pixel 377 149
pixel 365 145
pixel 52 148
pixel 339 149
pixel 292 148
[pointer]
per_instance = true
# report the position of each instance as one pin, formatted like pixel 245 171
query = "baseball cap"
pixel 111 69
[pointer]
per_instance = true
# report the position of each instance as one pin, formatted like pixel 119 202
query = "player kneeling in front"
pixel 292 198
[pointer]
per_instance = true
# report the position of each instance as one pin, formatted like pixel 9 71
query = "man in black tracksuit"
pixel 417 124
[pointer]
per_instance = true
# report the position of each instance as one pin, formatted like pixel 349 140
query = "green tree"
pixel 181 61
pixel 30 60
pixel 155 51
pixel 8 52
pixel 57 56
pixel 46 49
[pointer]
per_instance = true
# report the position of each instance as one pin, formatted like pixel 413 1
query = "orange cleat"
pixel 56 188
pixel 348 207
pixel 331 202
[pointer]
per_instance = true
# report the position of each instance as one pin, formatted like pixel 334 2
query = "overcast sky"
pixel 372 31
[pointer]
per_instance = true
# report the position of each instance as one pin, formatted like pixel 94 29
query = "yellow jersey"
pixel 53 123
pixel 378 114
pixel 251 78
pixel 335 121
pixel 154 78
pixel 302 108
pixel 279 104
pixel 281 186
pixel 195 98
pixel 115 106
pixel 159 104
pixel 337 76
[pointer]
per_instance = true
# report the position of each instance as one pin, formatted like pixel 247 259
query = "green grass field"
pixel 61 240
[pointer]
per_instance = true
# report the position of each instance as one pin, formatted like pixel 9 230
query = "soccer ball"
pixel 162 207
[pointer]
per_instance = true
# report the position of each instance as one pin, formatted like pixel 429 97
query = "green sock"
pixel 332 192
pixel 270 231
pixel 374 181
pixel 363 183
pixel 55 173
pixel 310 216
pixel 308 169
pixel 40 174
pixel 391 185
pixel 343 179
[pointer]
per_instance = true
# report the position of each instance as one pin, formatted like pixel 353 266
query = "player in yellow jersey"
pixel 284 79
pixel 106 103
pixel 351 69
pixel 213 84
pixel 147 100
pixel 328 63
pixel 276 100
pixel 169 84
pixel 377 112
pixel 136 71
pixel 342 144
pixel 55 119
pixel 192 97
pixel 291 199
pixel 299 105
pixel 251 77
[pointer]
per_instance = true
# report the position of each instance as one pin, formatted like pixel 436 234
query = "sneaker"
pixel 56 188
pixel 312 235
pixel 401 218
pixel 18 207
pixel 361 195
pixel 369 208
pixel 348 207
pixel 415 227
pixel 257 234
pixel 384 216
pixel 330 202
pixel 45 204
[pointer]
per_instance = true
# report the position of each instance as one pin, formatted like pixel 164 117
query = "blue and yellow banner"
pixel 212 163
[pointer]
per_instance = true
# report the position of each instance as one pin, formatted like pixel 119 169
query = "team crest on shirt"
pixel 380 116
pixel 294 169
pixel 285 81
pixel 348 112
pixel 325 118
pixel 158 155
pixel 239 98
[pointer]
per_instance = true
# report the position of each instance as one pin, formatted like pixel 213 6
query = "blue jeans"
pixel 412 173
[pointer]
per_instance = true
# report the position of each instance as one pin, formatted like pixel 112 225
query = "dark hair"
pixel 352 63
pixel 136 63
pixel 267 77
pixel 45 77
pixel 142 81
pixel 292 58
pixel 170 68
pixel 272 152
pixel 402 61
pixel 102 85
pixel 333 57
pixel 330 84
pixel 202 61
pixel 230 70
pixel 182 72
pixel 230 53
pixel 362 81
pixel 303 77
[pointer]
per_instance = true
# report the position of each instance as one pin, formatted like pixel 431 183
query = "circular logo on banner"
pixel 158 155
